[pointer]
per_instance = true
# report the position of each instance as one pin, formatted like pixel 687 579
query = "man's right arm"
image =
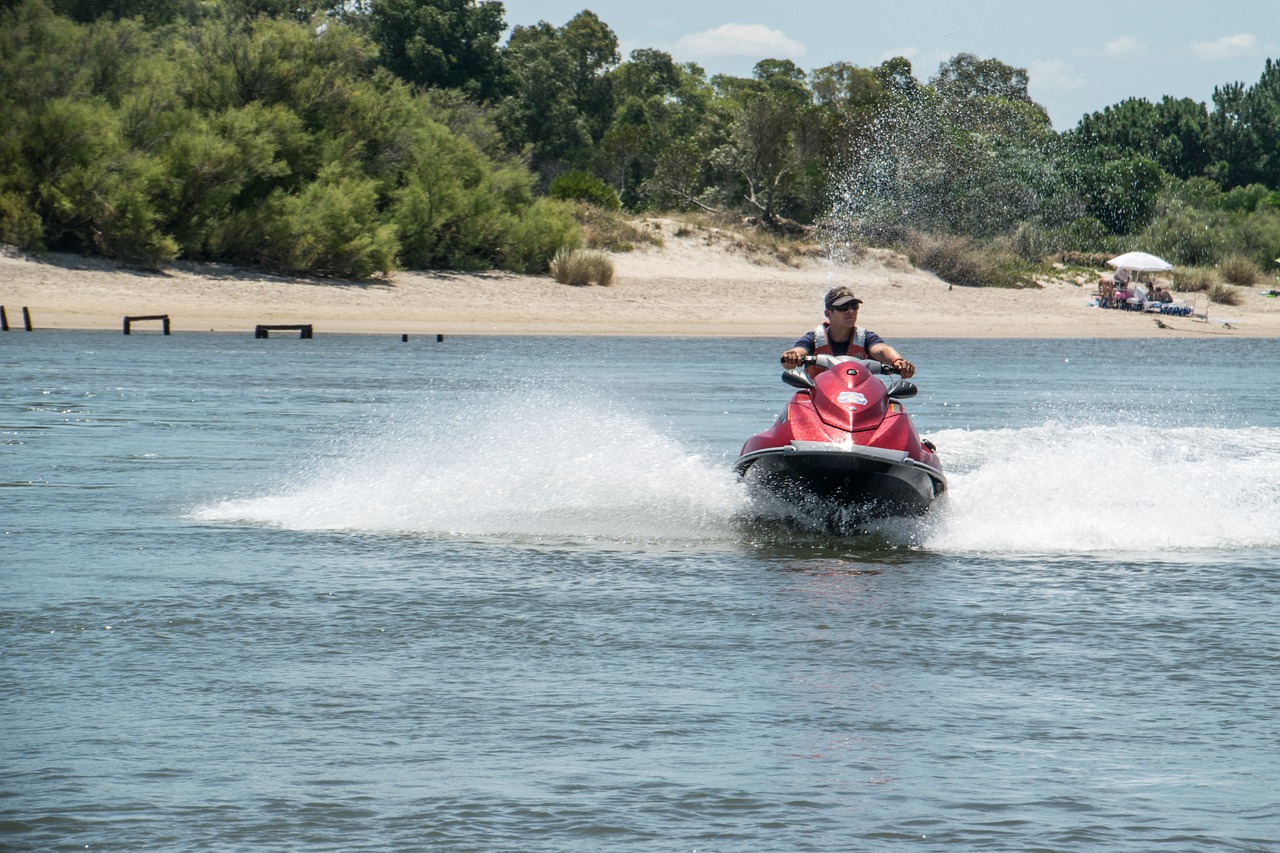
pixel 804 346
pixel 791 358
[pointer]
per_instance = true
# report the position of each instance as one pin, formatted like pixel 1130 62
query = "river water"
pixel 354 593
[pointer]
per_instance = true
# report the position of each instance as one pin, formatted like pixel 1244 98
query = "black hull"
pixel 868 482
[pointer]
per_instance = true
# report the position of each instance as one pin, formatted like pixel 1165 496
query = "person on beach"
pixel 840 335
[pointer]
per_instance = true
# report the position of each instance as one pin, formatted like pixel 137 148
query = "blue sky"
pixel 1081 56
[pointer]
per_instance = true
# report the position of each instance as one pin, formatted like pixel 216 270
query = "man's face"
pixel 844 315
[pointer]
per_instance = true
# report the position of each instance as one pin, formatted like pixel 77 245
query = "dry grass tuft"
pixel 959 260
pixel 1225 294
pixel 611 230
pixel 1089 260
pixel 580 267
pixel 759 243
pixel 1195 279
pixel 1237 269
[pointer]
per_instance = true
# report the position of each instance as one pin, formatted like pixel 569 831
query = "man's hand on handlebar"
pixel 904 368
pixel 793 357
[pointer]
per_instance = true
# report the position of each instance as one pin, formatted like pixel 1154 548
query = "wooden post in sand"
pixel 163 318
pixel 260 331
pixel 4 320
pixel 26 317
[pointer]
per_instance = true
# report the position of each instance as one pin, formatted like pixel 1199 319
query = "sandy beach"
pixel 697 283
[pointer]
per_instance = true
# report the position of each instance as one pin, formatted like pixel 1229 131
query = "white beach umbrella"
pixel 1140 262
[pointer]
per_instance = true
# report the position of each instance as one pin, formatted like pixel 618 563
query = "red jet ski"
pixel 845 440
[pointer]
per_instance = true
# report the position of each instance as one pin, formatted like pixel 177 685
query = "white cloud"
pixel 911 53
pixel 750 40
pixel 1125 46
pixel 1227 47
pixel 890 53
pixel 1055 75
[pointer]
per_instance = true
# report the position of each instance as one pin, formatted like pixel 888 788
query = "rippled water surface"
pixel 353 593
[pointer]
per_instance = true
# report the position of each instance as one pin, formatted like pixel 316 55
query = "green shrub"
pixel 1239 270
pixel 108 206
pixel 452 209
pixel 581 267
pixel 218 164
pixel 1183 235
pixel 212 139
pixel 1243 199
pixel 20 225
pixel 330 228
pixel 546 228
pixel 1257 236
pixel 1085 234
pixel 580 186
pixel 1032 242
pixel 1004 269
pixel 1084 259
pixel 128 224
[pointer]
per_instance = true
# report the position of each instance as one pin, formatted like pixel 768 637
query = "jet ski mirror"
pixel 797 378
pixel 902 390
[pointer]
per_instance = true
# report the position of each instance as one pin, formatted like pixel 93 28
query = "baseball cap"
pixel 840 296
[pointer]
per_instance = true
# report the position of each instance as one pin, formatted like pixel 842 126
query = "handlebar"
pixel 872 365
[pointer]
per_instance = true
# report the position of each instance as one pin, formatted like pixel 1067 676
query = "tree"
pixel 774 132
pixel 1245 131
pixel 560 100
pixel 539 114
pixel 154 12
pixel 895 76
pixel 592 49
pixel 964 77
pixel 678 177
pixel 1182 137
pixel 1121 193
pixel 784 78
pixel 845 86
pixel 452 44
pixel 1173 132
pixel 647 73
pixel 657 103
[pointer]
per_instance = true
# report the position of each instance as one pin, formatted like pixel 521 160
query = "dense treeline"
pixel 350 138
pixel 261 140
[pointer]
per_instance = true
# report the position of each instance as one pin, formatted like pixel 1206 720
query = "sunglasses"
pixel 852 306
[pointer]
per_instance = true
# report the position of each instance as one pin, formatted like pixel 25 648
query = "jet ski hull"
pixel 874 482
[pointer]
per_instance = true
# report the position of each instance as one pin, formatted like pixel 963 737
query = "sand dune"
pixel 698 283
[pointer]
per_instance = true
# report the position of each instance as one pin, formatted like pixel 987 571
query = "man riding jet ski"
pixel 844 439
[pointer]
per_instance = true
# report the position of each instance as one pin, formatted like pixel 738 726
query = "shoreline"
pixel 694 285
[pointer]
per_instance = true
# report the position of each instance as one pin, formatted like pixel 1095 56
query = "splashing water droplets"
pixel 1096 488
pixel 517 463
pixel 524 465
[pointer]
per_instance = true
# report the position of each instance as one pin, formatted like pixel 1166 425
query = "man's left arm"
pixel 890 356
